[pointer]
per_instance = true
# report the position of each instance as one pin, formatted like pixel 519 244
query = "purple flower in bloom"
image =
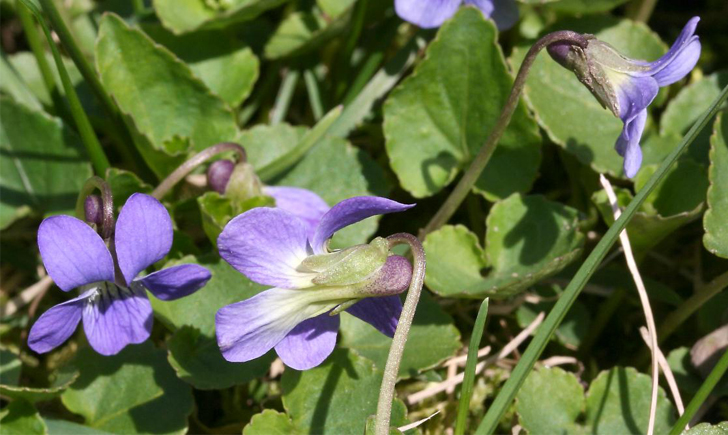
pixel 627 86
pixel 432 13
pixel 275 247
pixel 113 305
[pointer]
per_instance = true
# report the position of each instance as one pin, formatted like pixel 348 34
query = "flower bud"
pixel 218 175
pixel 93 208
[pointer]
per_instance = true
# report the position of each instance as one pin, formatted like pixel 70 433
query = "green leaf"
pixel 550 401
pixel 63 427
pixel 15 86
pixel 32 394
pixel 676 201
pixel 337 396
pixel 432 339
pixel 684 109
pixel 686 374
pixel 134 391
pixel 583 6
pixel 164 102
pixel 21 418
pixel 227 66
pixel 618 401
pixel 714 221
pixel 193 350
pixel 438 118
pixel 566 109
pixel 270 422
pixel 708 429
pixel 43 165
pixel 303 31
pixel 528 238
pixel 181 16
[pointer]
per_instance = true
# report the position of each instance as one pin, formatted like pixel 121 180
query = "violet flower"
pixel 627 86
pixel 432 13
pixel 113 302
pixel 272 246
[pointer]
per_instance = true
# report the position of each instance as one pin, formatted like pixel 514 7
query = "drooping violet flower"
pixel 627 86
pixel 113 304
pixel 272 246
pixel 432 13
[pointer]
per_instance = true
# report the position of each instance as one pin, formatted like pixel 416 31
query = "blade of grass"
pixel 283 99
pixel 286 161
pixel 88 136
pixel 466 391
pixel 314 96
pixel 703 392
pixel 501 403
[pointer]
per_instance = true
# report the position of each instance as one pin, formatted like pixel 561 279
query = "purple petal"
pixel 57 324
pixel 634 94
pixel 72 252
pixel 247 330
pixel 115 317
pixel 267 245
pixel 309 343
pixel 382 313
pixel 175 282
pixel 143 234
pixel 680 59
pixel 503 12
pixel 351 211
pixel 628 144
pixel 301 203
pixel 426 13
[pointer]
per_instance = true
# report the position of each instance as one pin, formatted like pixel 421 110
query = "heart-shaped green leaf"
pixel 181 16
pixel 527 239
pixel 438 118
pixel 715 221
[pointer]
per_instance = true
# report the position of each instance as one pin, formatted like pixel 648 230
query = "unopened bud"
pixel 93 208
pixel 394 277
pixel 244 183
pixel 218 175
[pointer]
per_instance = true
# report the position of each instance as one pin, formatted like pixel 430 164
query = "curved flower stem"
pixel 107 204
pixel 391 370
pixel 447 209
pixel 195 161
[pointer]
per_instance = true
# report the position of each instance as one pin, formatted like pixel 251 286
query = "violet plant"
pixel 113 303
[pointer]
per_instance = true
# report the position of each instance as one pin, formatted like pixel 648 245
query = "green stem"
pixel 107 202
pixel 466 391
pixel 120 135
pixel 36 45
pixel 710 382
pixel 139 9
pixel 543 336
pixel 185 168
pixel 88 136
pixel 451 204
pixel 391 370
pixel 314 96
pixel 283 99
pixel 644 10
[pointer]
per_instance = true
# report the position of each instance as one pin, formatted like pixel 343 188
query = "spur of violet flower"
pixel 312 285
pixel 432 13
pixel 627 86
pixel 113 302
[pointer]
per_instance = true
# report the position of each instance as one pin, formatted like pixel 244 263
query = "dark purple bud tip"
pixel 218 175
pixel 394 277
pixel 93 207
pixel 559 51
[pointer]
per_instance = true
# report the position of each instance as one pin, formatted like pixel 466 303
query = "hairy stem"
pixel 185 168
pixel 448 208
pixel 107 204
pixel 391 370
